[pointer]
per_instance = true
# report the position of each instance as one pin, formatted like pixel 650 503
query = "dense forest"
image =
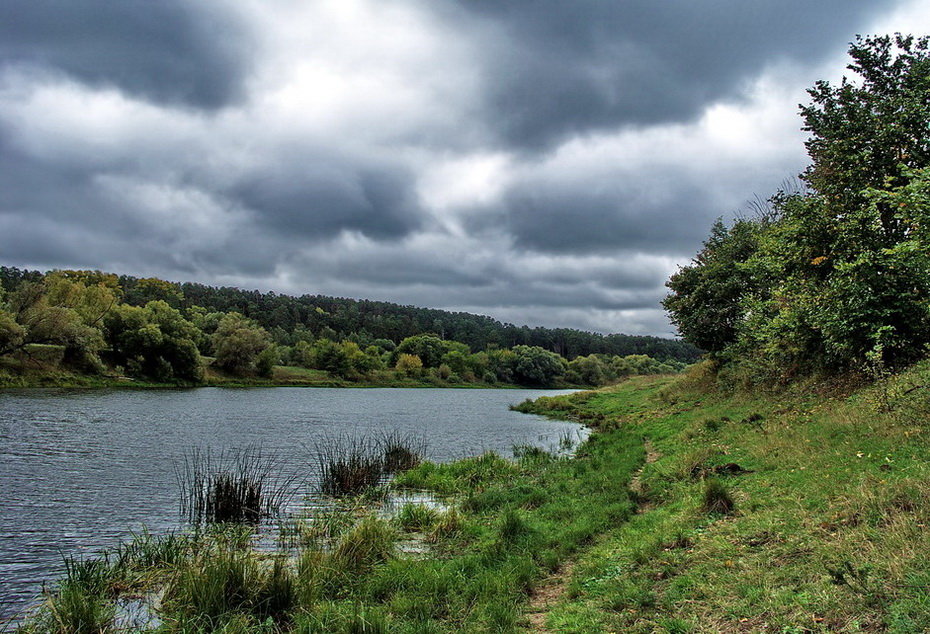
pixel 168 332
pixel 832 276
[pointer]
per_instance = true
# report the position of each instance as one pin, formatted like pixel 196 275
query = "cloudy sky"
pixel 544 162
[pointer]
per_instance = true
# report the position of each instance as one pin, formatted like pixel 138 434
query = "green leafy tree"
pixel 590 370
pixel 536 366
pixel 154 341
pixel 12 334
pixel 58 309
pixel 430 348
pixel 866 133
pixel 705 298
pixel 239 343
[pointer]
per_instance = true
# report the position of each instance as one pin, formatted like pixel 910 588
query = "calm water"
pixel 79 470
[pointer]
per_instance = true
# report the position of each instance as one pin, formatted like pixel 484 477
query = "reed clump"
pixel 401 452
pixel 350 465
pixel 239 486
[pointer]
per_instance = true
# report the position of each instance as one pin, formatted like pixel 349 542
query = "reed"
pixel 351 465
pixel 348 465
pixel 401 452
pixel 238 486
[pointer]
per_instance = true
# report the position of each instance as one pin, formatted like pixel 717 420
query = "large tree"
pixel 154 341
pixel 840 275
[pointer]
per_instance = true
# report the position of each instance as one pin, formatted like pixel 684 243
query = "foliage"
pixel 535 366
pixel 155 342
pixel 80 313
pixel 837 279
pixel 375 323
pixel 705 302
pixel 240 343
pixel 409 364
pixel 58 309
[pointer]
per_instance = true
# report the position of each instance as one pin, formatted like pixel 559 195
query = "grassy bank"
pixel 827 531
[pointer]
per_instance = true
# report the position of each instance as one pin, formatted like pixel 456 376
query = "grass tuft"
pixel 716 498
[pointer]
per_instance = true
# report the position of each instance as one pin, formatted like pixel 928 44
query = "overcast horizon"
pixel 543 163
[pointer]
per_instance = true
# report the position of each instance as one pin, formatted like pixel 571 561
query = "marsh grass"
pixel 146 552
pixel 401 452
pixel 416 517
pixel 352 465
pixel 238 486
pixel 348 465
pixel 222 581
pixel 82 602
pixel 369 543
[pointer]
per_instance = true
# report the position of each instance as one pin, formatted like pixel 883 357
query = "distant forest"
pixel 336 318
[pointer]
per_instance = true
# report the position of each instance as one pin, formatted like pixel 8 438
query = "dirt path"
pixel 553 588
pixel 636 482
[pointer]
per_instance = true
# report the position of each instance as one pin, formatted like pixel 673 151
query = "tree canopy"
pixel 838 278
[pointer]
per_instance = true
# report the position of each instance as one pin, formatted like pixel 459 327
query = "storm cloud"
pixel 558 69
pixel 170 50
pixel 543 162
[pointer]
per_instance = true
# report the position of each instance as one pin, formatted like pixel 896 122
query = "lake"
pixel 81 469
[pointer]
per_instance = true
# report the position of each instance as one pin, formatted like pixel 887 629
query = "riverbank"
pixel 802 511
pixel 282 376
pixel 688 510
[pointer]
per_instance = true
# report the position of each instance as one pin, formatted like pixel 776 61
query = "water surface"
pixel 80 469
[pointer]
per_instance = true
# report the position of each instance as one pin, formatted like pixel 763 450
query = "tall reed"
pixel 350 465
pixel 242 485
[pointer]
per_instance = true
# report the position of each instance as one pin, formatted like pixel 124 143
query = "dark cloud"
pixel 559 68
pixel 578 218
pixel 246 154
pixel 317 198
pixel 172 51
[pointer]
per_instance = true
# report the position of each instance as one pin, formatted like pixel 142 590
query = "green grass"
pixel 827 532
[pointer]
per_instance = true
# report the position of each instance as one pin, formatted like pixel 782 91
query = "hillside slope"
pixel 828 526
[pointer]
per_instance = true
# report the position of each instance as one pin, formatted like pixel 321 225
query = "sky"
pixel 546 163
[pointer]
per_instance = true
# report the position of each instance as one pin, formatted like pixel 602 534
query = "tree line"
pixel 153 329
pixel 833 275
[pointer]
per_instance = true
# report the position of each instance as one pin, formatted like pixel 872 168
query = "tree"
pixel 409 364
pixel 429 348
pixel 705 298
pixel 590 370
pixel 58 309
pixel 154 341
pixel 239 343
pixel 866 134
pixel 536 366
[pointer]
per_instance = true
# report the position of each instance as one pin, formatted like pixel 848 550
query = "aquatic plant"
pixel 350 465
pixel 401 451
pixel 242 485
